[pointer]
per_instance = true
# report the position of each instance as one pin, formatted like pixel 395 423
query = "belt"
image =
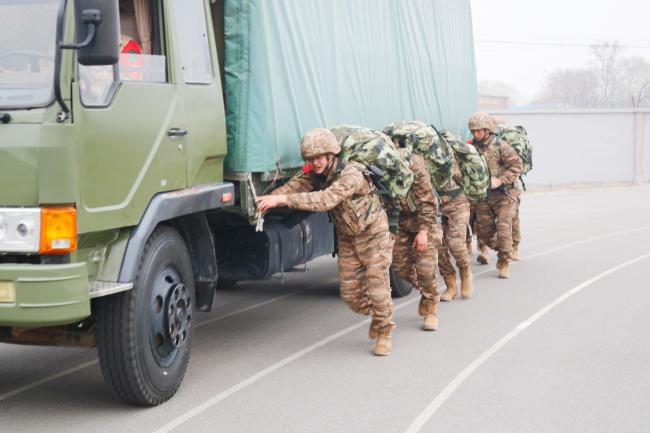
pixel 452 193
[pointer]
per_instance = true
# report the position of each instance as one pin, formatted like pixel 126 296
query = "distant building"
pixel 493 102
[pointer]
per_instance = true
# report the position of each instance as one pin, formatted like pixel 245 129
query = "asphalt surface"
pixel 561 346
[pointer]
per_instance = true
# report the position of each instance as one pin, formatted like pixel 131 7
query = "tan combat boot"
pixel 504 268
pixel 431 318
pixel 450 293
pixel 466 282
pixel 514 256
pixel 484 255
pixel 384 345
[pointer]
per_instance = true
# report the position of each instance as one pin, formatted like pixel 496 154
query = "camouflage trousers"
pixel 494 217
pixel 455 220
pixel 516 222
pixel 364 261
pixel 420 268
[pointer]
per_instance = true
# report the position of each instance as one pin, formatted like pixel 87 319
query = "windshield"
pixel 27 52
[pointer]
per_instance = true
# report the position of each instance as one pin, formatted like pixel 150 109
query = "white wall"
pixel 586 146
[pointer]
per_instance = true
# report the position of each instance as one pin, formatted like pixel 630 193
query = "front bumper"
pixel 46 295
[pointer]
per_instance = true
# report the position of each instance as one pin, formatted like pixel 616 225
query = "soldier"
pixel 364 241
pixel 415 254
pixel 454 207
pixel 518 191
pixel 495 213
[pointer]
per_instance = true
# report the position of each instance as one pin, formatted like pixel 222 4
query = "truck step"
pixel 103 288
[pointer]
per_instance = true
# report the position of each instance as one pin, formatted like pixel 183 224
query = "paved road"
pixel 562 346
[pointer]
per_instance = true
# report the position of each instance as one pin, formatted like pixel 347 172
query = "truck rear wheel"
pixel 399 286
pixel 144 335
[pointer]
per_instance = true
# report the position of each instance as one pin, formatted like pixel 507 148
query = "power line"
pixel 551 44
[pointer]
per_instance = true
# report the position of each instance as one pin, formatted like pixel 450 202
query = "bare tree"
pixel 636 81
pixel 609 80
pixel 571 88
pixel 608 66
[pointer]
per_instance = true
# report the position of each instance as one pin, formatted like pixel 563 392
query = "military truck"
pixel 135 134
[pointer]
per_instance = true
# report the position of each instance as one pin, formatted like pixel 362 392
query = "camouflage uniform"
pixel 455 212
pixel 454 204
pixel 516 222
pixel 364 242
pixel 495 213
pixel 417 213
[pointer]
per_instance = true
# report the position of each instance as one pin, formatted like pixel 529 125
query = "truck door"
pixel 200 88
pixel 131 121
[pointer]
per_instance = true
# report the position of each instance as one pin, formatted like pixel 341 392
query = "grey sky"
pixel 520 41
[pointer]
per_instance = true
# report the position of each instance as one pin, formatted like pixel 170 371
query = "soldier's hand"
pixel 266 202
pixel 495 183
pixel 421 241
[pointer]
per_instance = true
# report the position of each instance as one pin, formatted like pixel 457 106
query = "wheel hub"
pixel 177 314
pixel 171 315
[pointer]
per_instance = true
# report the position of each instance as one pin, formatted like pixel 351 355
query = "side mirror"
pixel 98 32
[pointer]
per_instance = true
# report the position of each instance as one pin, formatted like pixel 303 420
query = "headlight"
pixel 20 230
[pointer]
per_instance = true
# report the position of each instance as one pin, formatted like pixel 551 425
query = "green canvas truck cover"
pixel 292 65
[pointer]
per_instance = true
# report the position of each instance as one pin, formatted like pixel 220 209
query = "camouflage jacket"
pixel 418 209
pixel 503 161
pixel 348 194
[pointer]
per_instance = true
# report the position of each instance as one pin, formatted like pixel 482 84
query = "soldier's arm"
pixel 300 182
pixel 422 193
pixel 512 162
pixel 350 181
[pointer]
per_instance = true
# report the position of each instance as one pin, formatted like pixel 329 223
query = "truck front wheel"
pixel 144 335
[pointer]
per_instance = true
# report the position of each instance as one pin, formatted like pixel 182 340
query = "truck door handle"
pixel 177 132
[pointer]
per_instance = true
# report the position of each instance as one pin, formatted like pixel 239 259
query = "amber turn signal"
pixel 58 230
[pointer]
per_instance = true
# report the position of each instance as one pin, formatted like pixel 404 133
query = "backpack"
pixel 389 171
pixel 517 137
pixel 473 167
pixel 446 154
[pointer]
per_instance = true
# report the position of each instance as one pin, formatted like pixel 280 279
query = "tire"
pixel 144 335
pixel 399 286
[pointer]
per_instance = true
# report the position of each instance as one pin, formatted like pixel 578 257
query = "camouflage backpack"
pixel 446 155
pixel 389 171
pixel 473 167
pixel 517 137
pixel 423 140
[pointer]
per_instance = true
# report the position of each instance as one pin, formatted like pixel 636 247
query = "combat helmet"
pixel 481 121
pixel 318 141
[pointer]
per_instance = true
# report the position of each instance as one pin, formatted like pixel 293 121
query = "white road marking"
pixel 206 322
pixel 586 241
pixel 47 379
pixel 441 398
pixel 289 359
pixel 261 304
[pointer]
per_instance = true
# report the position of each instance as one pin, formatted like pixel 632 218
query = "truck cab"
pixel 111 154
